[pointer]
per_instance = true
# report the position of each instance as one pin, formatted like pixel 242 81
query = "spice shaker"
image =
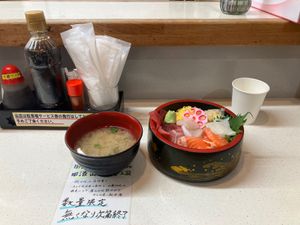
pixel 75 92
pixel 235 7
pixel 43 59
pixel 16 93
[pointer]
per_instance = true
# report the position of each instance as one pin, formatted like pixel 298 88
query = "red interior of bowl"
pixel 99 120
pixel 235 141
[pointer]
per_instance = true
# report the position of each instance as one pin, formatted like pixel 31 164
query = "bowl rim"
pixel 96 115
pixel 228 146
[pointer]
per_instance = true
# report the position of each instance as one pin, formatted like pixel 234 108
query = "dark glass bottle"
pixel 235 7
pixel 43 59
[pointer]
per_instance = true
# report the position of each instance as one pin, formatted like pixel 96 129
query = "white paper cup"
pixel 248 95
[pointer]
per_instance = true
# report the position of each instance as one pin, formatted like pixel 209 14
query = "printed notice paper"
pixel 288 9
pixel 91 199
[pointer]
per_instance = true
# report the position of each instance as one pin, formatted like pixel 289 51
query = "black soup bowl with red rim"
pixel 104 165
pixel 188 164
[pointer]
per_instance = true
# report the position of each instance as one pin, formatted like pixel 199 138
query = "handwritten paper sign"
pixel 91 199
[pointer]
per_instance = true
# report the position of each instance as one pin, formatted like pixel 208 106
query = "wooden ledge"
pixel 151 23
pixel 173 32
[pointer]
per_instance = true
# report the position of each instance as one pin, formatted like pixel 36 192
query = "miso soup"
pixel 105 141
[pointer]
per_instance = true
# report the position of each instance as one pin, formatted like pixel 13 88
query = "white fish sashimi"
pixel 221 128
pixel 189 123
pixel 191 132
pixel 190 127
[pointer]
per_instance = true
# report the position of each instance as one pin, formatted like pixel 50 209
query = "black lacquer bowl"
pixel 106 165
pixel 187 164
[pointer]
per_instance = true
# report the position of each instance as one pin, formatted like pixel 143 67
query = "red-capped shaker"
pixel 17 95
pixel 75 93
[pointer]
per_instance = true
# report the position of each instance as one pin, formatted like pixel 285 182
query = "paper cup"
pixel 248 95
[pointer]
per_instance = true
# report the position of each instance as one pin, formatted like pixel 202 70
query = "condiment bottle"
pixel 43 59
pixel 16 93
pixel 75 92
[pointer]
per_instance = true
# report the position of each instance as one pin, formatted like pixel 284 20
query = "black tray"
pixel 46 119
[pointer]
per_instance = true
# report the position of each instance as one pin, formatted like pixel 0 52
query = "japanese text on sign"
pixel 91 199
pixel 24 119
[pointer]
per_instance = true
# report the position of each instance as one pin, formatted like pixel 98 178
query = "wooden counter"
pixel 151 24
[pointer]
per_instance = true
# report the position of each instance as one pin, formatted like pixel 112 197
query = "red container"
pixel 187 164
pixel 106 165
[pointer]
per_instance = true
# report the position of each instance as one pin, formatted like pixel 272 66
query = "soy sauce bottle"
pixel 43 59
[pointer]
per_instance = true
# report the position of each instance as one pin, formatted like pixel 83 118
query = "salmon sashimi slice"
pixel 215 138
pixel 197 143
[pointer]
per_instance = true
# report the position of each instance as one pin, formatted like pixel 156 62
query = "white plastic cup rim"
pixel 257 87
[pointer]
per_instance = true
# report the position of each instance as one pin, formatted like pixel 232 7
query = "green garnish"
pixel 237 122
pixel 114 129
pixel 229 138
pixel 170 117
pixel 97 146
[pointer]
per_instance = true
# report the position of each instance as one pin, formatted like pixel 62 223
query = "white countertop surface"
pixel 97 10
pixel 264 189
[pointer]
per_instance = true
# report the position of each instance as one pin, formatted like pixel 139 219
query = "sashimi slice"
pixel 198 143
pixel 215 138
pixel 221 128
pixel 191 132
pixel 182 141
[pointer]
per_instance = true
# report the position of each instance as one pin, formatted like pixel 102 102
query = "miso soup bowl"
pixel 104 165
pixel 187 164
